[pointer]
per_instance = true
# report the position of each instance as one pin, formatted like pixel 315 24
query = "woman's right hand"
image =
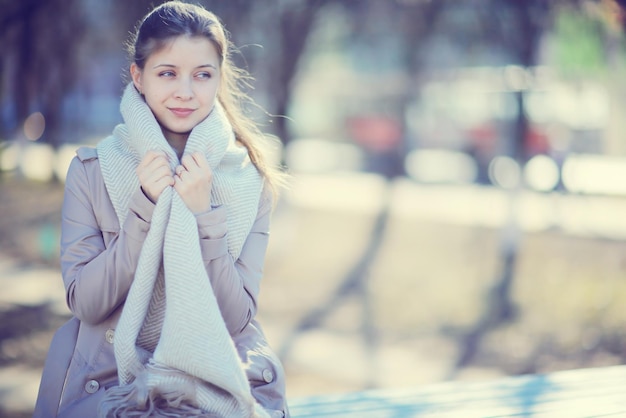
pixel 154 174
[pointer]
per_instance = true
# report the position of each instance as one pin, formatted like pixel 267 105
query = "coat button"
pixel 92 386
pixel 109 335
pixel 268 376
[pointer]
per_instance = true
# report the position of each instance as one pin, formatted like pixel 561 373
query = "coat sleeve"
pixel 97 276
pixel 235 283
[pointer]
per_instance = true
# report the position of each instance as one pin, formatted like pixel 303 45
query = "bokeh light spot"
pixel 37 162
pixel 541 173
pixel 504 172
pixel 34 126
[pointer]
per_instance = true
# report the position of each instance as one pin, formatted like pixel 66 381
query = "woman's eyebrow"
pixel 175 66
pixel 164 65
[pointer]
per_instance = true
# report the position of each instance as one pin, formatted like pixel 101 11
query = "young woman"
pixel 164 231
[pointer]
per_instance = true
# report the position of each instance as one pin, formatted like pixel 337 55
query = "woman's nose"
pixel 184 90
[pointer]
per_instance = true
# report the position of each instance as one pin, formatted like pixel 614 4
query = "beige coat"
pixel 98 259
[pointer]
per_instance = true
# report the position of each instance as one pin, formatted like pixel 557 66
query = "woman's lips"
pixel 181 112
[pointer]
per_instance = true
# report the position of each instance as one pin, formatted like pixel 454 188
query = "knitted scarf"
pixel 177 358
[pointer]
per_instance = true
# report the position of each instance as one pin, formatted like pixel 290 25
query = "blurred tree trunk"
pixel 40 41
pixel 294 26
pixel 15 30
pixel 529 20
pixel 519 27
pixel 25 91
pixel 523 41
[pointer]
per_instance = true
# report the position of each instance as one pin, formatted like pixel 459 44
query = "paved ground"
pixel 32 296
pixel 419 289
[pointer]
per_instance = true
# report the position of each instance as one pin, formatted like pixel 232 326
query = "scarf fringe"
pixel 138 400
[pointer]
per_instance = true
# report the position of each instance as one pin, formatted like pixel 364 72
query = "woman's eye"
pixel 166 74
pixel 203 75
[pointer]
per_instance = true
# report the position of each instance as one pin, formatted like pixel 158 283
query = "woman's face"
pixel 180 83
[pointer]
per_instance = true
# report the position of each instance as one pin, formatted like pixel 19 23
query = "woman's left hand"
pixel 193 182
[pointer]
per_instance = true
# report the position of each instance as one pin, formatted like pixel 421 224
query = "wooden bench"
pixel 593 392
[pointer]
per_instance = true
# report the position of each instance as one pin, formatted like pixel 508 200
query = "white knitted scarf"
pixel 176 354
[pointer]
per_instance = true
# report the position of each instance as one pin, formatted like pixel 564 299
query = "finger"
pixel 165 181
pixel 150 157
pixel 177 184
pixel 158 162
pixel 199 159
pixel 188 162
pixel 157 165
pixel 160 172
pixel 181 183
pixel 182 174
pixel 155 187
pixel 204 165
pixel 161 185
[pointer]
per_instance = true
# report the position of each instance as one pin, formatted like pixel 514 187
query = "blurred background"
pixel 457 200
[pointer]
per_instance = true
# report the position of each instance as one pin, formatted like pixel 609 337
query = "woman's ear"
pixel 135 73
